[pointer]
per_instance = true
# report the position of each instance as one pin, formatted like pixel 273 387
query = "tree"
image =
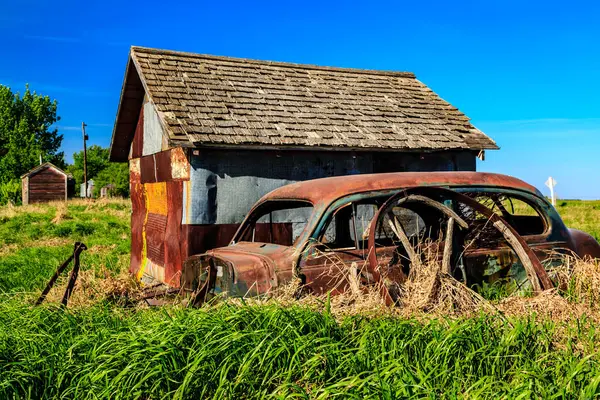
pixel 102 171
pixel 116 174
pixel 25 133
pixel 97 160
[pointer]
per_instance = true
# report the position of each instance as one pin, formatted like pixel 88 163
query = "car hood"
pixel 270 251
pixel 256 266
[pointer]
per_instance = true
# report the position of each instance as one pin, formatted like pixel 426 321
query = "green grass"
pixel 34 244
pixel 582 215
pixel 236 352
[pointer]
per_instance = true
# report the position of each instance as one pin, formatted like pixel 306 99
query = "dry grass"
pixel 11 211
pixel 61 207
pixel 92 287
pixel 62 213
pixel 429 293
pixel 8 249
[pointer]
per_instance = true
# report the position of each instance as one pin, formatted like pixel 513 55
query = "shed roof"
pixel 41 167
pixel 205 100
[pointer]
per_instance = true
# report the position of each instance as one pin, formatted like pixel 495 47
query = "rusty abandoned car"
pixel 482 228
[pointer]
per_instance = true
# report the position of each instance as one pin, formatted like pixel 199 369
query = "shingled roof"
pixel 205 100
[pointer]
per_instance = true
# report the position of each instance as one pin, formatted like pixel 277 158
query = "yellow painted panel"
pixel 156 198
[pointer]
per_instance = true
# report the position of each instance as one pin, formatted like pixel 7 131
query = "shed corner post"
pixel 25 190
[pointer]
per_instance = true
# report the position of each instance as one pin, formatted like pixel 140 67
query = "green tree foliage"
pixel 116 174
pixel 102 171
pixel 97 160
pixel 25 133
pixel 10 192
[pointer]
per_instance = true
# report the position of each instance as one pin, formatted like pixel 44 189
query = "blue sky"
pixel 528 75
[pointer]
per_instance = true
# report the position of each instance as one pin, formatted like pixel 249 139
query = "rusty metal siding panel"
pixel 138 137
pixel 153 131
pixel 162 164
pixel 200 238
pixel 156 227
pixel 180 166
pixel 138 216
pixel 156 198
pixel 173 240
pixel 147 169
pixel 157 167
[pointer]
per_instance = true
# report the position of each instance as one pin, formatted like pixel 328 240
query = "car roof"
pixel 326 190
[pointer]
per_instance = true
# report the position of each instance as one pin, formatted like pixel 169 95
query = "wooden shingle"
pixel 221 100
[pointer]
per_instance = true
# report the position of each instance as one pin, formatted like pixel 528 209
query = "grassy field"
pixel 583 215
pixel 237 350
pixel 36 239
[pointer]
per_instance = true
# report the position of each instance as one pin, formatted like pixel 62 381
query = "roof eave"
pixel 222 146
pixel 118 151
pixel 39 167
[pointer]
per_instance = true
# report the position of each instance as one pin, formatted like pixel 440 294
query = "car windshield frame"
pixel 538 203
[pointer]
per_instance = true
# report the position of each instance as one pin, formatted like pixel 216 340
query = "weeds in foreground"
pixel 237 351
pixel 349 346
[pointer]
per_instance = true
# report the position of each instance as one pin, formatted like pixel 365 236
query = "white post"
pixel 551 183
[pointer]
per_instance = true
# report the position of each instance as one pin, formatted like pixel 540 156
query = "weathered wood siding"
pixel 25 190
pixel 47 185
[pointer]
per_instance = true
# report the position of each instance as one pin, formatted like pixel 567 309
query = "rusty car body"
pixel 484 228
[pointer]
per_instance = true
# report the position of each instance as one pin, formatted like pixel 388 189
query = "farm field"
pixel 542 348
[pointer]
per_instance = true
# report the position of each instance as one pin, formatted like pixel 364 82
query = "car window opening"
pixel 276 222
pixel 485 262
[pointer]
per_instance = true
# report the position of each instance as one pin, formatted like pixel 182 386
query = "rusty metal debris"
pixel 78 248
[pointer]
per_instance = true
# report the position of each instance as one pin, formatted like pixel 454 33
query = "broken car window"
pixel 520 213
pixel 276 222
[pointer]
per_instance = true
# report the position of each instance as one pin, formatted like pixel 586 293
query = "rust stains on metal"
pixel 174 251
pixel 180 167
pixel 138 215
pixel 327 190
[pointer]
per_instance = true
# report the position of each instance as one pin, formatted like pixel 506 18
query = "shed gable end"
pixel 154 137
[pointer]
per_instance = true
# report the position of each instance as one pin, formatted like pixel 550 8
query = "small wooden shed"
pixel 44 183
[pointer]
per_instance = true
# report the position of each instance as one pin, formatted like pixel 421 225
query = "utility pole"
pixel 85 137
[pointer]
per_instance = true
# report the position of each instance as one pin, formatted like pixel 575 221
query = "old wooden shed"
pixel 44 183
pixel 207 136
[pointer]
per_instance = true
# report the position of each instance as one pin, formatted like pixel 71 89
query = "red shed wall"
pixel 156 186
pixel 47 185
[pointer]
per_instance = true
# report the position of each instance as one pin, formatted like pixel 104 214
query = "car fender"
pixel 584 244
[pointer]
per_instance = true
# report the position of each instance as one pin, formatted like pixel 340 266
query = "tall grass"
pixel 545 347
pixel 240 352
